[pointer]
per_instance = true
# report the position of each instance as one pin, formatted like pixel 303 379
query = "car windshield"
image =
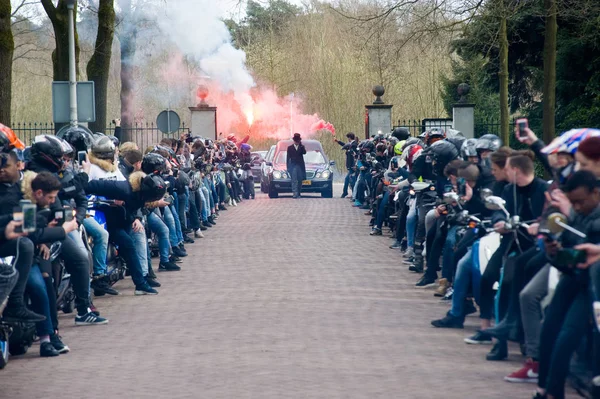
pixel 310 157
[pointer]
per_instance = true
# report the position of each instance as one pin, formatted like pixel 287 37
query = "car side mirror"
pixel 557 223
pixel 269 163
pixel 332 163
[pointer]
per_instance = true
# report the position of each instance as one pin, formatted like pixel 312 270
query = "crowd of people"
pixel 169 194
pixel 517 247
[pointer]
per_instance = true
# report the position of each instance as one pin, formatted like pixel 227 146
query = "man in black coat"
pixel 351 148
pixel 295 164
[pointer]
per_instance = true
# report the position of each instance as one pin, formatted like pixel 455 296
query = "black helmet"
pixel 457 141
pixel 395 162
pixel 47 150
pixel 103 147
pixel 488 142
pixel 79 138
pixel 469 148
pixel 154 163
pixel 393 141
pixel 442 153
pixel 153 188
pixel 368 146
pixel 379 137
pixel 401 133
pixel 115 141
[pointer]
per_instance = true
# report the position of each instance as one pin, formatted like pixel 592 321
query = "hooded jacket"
pixel 124 190
pixel 103 169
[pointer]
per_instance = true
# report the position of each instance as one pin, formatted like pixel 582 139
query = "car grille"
pixel 310 174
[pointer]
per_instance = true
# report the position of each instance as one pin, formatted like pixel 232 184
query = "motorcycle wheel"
pixel 69 301
pixel 18 349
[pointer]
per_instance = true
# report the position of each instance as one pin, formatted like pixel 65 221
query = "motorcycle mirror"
pixel 494 203
pixel 557 223
pixel 451 197
pixel 486 192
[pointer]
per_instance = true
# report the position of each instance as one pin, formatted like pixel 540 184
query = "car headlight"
pixel 318 175
pixel 277 174
pixel 326 174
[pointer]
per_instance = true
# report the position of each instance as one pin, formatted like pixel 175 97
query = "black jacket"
pixel 530 200
pixel 350 149
pixel 10 195
pixel 128 191
pixel 296 158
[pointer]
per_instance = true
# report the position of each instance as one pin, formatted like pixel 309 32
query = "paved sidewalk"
pixel 283 299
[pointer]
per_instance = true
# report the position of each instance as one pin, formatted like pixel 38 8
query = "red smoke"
pixel 270 116
pixel 322 125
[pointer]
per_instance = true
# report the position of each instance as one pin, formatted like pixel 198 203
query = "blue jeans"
pixel 411 225
pixel 462 281
pixel 170 222
pixel 158 227
pixel 100 238
pixel 194 218
pixel 140 240
pixel 381 209
pixel 205 203
pixel 128 251
pixel 178 229
pixel 448 255
pixel 40 304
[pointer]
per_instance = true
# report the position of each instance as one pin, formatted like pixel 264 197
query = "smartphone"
pixel 18 217
pixel 29 218
pixel 81 156
pixel 69 213
pixel 461 184
pixel 168 199
pixel 522 124
pixel 59 216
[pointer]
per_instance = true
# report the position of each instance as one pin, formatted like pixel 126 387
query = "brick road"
pixel 282 299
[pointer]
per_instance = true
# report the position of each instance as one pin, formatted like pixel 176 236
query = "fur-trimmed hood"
pixel 135 180
pixel 103 164
pixel 28 177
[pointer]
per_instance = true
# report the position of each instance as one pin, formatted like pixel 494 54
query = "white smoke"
pixel 196 28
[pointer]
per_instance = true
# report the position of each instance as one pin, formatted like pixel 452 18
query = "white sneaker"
pixel 229 202
pixel 409 252
pixel 233 203
pixel 198 234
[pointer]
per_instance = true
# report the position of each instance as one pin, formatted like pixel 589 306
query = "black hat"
pixel 297 137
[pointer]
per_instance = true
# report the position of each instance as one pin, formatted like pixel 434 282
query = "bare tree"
pixel 7 48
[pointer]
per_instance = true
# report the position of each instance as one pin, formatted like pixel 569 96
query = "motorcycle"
pixel 65 296
pixel 116 269
pixel 8 282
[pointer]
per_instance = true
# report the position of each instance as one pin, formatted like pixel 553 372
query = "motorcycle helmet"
pixel 434 134
pixel 442 153
pixel 379 137
pixel 469 149
pixel 79 138
pixel 410 141
pixel 246 147
pixel 153 188
pixel 103 147
pixel 115 141
pixel 401 133
pixel 368 147
pixel 47 150
pixel 488 142
pixel 392 141
pixel 398 147
pixel 9 140
pixel 153 163
pixel 457 141
pixel 411 153
pixel 67 149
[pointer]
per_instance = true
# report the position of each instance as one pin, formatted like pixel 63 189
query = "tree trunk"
pixel 59 16
pixel 7 48
pixel 99 65
pixel 503 78
pixel 127 39
pixel 549 93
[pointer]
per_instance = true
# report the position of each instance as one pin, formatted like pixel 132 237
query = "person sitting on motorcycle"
pixel 155 164
pixel 46 155
pixel 567 317
pixel 486 145
pixel 529 192
pixel 392 173
pixel 461 305
pixel 136 192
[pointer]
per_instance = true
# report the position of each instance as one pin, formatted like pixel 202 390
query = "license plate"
pixel 306 182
